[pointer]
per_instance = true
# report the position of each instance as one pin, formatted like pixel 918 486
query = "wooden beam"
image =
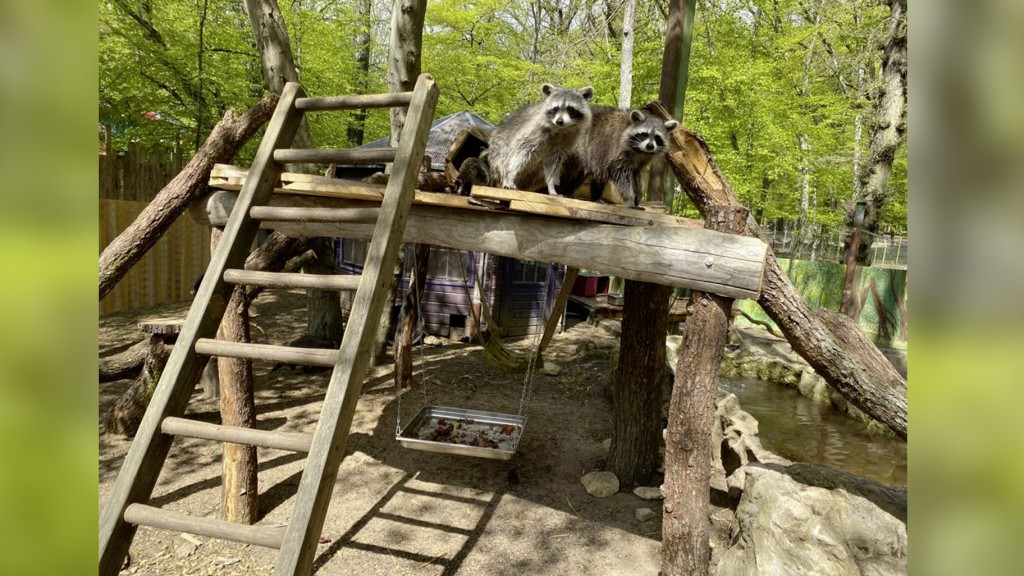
pixel 672 255
pixel 336 155
pixel 292 441
pixel 538 203
pixel 357 102
pixel 266 536
pixel 337 282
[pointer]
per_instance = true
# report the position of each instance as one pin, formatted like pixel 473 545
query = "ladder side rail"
pixel 300 541
pixel 149 449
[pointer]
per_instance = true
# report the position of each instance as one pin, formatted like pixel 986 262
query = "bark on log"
pixel 686 528
pixel 123 364
pixel 637 392
pixel 874 387
pixel 410 316
pixel 237 408
pixel 224 141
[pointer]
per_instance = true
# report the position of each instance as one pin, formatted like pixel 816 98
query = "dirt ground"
pixel 399 511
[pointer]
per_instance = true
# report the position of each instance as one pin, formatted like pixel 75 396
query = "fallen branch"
pixel 767 325
pixel 125 364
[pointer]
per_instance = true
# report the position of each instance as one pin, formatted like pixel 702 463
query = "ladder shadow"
pixel 452 565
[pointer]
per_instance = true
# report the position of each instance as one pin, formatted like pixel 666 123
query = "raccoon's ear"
pixel 636 116
pixel 547 89
pixel 587 92
pixel 671 125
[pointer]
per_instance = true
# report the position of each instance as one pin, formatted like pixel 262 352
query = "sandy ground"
pixel 399 511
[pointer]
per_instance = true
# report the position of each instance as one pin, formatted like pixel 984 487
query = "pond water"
pixel 797 428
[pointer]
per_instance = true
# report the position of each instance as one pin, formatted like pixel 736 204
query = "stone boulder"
pixel 735 444
pixel 600 484
pixel 809 519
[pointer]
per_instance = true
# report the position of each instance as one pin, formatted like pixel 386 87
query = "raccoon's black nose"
pixel 650 147
pixel 559 121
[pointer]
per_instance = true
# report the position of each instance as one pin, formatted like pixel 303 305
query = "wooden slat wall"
pixel 136 173
pixel 167 272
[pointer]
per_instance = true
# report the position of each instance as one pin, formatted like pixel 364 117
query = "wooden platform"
pixel 637 244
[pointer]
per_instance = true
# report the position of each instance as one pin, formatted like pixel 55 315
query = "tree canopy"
pixel 776 87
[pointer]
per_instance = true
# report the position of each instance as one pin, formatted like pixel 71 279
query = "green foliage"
pixel 763 76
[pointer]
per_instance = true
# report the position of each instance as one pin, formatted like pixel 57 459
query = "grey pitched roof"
pixel 442 132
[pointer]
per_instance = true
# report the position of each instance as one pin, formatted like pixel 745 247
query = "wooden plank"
pixel 149 449
pixel 291 441
pixel 266 536
pixel 336 155
pixel 328 449
pixel 669 255
pixel 292 280
pixel 266 352
pixel 543 208
pixel 505 195
pixel 325 187
pixel 355 102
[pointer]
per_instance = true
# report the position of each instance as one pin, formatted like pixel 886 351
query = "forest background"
pixel 781 89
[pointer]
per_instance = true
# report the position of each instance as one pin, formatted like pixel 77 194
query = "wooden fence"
pixel 167 272
pixel 136 173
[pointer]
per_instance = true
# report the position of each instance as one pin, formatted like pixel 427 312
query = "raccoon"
pixel 475 170
pixel 619 145
pixel 531 147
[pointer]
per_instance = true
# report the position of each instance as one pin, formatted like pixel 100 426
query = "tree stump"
pixel 126 414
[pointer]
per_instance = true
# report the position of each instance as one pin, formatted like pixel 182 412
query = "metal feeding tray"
pixel 464 432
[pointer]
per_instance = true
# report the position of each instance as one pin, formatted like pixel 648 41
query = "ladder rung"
pixel 292 280
pixel 296 214
pixel 389 100
pixel 269 352
pixel 292 441
pixel 335 155
pixel 143 515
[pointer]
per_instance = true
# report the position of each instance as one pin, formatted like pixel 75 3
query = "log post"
pixel 410 315
pixel 685 533
pixel 571 272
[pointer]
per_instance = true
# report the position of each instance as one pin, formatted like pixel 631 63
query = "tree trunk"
pixel 405 46
pixel 686 528
pixel 410 316
pixel 225 140
pixel 278 63
pixel 123 364
pixel 323 320
pixel 675 68
pixel 239 496
pixel 626 65
pixel 874 387
pixel 888 128
pixel 126 414
pixel 637 389
pixel 361 42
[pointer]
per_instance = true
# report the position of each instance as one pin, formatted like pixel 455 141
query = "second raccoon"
pixel 620 144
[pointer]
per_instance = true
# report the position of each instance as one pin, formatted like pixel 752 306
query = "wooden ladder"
pixel 126 506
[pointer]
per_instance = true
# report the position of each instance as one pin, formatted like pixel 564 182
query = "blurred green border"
pixel 48 248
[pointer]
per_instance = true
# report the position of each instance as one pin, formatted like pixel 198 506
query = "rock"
pixel 813 520
pixel 551 369
pixel 429 340
pixel 600 484
pixel 185 549
pixel 645 514
pixel 648 492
